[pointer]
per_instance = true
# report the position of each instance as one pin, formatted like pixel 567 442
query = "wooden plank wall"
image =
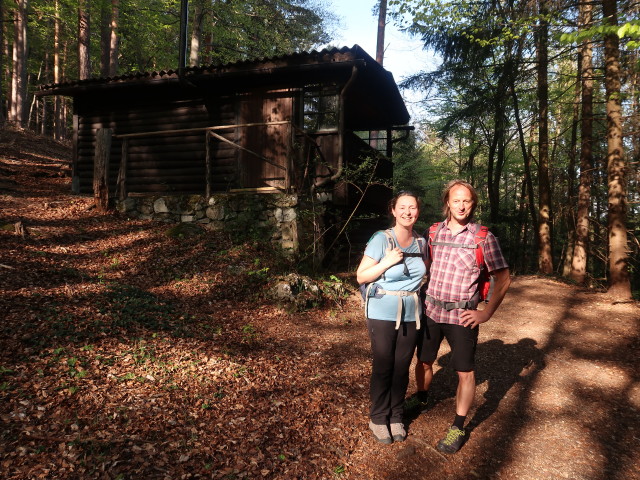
pixel 172 163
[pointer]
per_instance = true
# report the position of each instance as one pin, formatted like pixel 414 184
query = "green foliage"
pixel 335 289
pixel 423 166
pixel 249 333
pixel 362 173
pixel 630 31
pixel 339 470
pixel 148 31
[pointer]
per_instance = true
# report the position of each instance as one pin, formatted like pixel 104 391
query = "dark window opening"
pixel 321 106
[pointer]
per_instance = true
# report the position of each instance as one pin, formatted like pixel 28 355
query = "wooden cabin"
pixel 291 127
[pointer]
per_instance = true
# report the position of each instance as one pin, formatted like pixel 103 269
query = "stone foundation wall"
pixel 275 214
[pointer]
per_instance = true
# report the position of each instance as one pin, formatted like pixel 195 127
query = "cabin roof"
pixel 373 95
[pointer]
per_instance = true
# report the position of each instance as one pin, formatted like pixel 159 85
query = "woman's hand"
pixel 392 257
pixel 369 269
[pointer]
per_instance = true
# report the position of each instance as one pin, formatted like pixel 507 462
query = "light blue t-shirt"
pixel 386 307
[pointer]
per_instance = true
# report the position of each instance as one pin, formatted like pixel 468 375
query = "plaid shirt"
pixel 454 274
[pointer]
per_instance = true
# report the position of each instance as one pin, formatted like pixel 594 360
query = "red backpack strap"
pixel 480 238
pixel 433 230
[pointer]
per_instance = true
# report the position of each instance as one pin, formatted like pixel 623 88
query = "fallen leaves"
pixel 126 353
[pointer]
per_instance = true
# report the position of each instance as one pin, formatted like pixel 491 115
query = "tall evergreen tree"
pixel 580 253
pixel 619 282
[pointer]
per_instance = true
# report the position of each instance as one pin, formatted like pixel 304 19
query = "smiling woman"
pixel 393 264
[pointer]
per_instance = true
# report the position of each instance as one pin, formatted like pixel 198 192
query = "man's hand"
pixel 473 318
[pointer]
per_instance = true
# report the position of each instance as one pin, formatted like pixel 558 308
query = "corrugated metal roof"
pixel 319 56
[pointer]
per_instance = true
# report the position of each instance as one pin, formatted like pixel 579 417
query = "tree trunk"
pixel 105 38
pixel 570 211
pixel 545 260
pixel 84 65
pixel 6 53
pixel 500 117
pixel 619 281
pixel 101 169
pixel 2 119
pixel 580 251
pixel 382 25
pixel 19 73
pixel 58 121
pixel 526 155
pixel 109 39
pixel 113 50
pixel 196 34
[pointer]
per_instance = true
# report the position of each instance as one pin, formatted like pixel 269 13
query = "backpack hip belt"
pixel 448 306
pixel 373 289
pixel 400 294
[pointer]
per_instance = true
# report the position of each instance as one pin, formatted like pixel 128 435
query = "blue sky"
pixel 403 55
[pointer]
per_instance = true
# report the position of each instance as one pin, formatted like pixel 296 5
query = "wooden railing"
pixel 103 147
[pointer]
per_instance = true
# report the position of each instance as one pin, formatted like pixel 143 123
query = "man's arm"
pixel 473 318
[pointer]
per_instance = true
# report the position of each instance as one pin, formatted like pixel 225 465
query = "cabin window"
pixel 320 108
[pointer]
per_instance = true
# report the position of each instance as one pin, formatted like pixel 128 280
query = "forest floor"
pixel 130 352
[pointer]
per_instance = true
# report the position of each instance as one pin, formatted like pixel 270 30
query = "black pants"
pixel 392 354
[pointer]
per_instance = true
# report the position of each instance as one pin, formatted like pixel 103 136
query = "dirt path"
pixel 558 396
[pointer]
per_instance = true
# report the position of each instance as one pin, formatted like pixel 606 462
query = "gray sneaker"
pixel 380 433
pixel 398 432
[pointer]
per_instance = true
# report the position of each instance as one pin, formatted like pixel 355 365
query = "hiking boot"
pixel 380 433
pixel 413 405
pixel 453 441
pixel 398 432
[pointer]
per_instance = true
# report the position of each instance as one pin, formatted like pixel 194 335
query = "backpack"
pixel 485 281
pixel 366 289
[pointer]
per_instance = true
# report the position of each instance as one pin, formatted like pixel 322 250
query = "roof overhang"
pixel 372 96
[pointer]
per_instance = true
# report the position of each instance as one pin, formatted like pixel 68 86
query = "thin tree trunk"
pixel 34 103
pixel 19 73
pixel 619 281
pixel 491 161
pixel 526 155
pixel 382 25
pixel 196 34
pixel 519 238
pixel 105 38
pixel 45 125
pixel 114 48
pixel 7 71
pixel 57 105
pixel 545 260
pixel 109 39
pixel 84 65
pixel 2 116
pixel 494 179
pixel 581 248
pixel 570 215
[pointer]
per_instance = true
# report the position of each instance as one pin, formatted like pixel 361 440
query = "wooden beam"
pixel 101 169
pixel 208 167
pixel 122 172
pixel 201 129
